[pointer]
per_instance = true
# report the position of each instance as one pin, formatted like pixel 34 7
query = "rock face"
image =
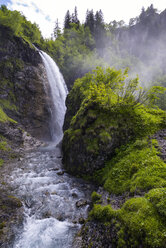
pixel 24 118
pixel 22 80
pixel 93 138
pixel 10 216
pixel 161 137
pixel 97 235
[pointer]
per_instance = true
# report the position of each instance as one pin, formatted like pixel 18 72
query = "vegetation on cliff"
pixel 79 48
pixel 107 113
pixel 108 139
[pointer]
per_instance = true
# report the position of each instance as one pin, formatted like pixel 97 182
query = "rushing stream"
pixel 54 202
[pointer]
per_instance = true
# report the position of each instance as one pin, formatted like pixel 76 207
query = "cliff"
pixel 24 116
pixel 22 78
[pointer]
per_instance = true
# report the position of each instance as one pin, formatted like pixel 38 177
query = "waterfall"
pixel 49 195
pixel 58 90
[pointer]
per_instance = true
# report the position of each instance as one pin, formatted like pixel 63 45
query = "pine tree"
pixel 68 20
pixel 99 30
pixel 57 30
pixel 75 17
pixel 90 21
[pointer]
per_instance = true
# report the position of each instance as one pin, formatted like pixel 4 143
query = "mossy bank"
pixel 110 125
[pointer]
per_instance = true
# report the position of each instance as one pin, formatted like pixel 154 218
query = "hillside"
pixel 114 140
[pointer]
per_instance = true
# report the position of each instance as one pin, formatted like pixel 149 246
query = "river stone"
pixel 60 173
pixel 81 203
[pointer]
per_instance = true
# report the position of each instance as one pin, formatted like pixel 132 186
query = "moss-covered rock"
pixel 100 119
pixel 109 139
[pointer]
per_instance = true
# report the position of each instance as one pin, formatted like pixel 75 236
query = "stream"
pixel 54 202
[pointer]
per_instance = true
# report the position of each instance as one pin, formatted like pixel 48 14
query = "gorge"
pixel 99 179
pixel 49 196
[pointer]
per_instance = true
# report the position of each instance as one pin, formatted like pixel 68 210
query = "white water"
pixel 51 214
pixel 58 93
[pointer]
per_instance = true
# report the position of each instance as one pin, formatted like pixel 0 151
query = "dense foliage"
pixel 19 25
pixel 108 112
pixel 79 48
pixel 111 127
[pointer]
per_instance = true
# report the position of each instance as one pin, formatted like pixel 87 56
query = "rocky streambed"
pixel 52 204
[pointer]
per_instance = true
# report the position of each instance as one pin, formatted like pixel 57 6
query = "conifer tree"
pixel 75 17
pixel 90 21
pixel 68 20
pixel 57 30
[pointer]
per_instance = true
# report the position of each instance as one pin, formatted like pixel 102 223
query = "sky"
pixel 46 12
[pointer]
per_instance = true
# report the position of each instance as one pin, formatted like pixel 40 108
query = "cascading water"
pixel 58 93
pixel 54 202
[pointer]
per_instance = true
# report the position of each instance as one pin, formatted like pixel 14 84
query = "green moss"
pixel 135 168
pixel 15 201
pixel 92 145
pixel 141 223
pixel 96 198
pixel 2 224
pixel 105 137
pixel 1 162
pixel 4 117
pixel 3 146
pixel 138 223
pixel 7 104
pixel 12 64
pixel 158 199
pixel 102 213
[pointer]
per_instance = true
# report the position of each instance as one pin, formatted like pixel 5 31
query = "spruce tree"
pixel 57 30
pixel 90 21
pixel 75 17
pixel 68 20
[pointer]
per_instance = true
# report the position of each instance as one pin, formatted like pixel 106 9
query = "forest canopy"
pixel 79 48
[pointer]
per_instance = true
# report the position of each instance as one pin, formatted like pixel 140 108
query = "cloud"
pixel 23 4
pixel 35 11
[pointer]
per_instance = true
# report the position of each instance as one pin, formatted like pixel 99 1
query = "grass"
pixel 4 117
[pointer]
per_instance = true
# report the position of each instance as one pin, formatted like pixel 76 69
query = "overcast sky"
pixel 45 12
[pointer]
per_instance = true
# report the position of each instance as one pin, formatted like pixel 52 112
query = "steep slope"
pixel 109 140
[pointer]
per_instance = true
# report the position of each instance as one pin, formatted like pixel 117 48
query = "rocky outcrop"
pixel 98 122
pixel 24 118
pixel 22 82
pixel 161 138
pixel 11 216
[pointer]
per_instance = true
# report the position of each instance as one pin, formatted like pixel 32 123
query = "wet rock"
pixel 11 216
pixel 161 138
pixel 81 203
pixel 75 195
pixel 60 173
pixel 30 142
pixel 53 169
pixel 77 242
pixel 98 235
pixel 81 220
